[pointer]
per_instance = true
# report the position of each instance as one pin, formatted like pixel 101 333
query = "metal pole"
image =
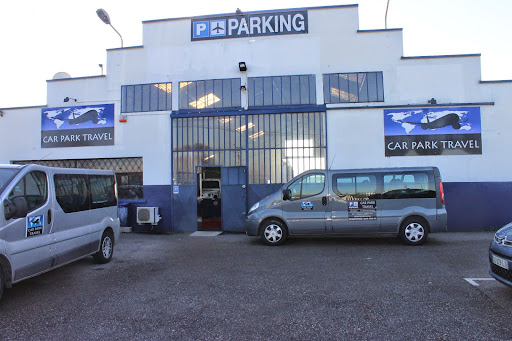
pixel 385 19
pixel 120 34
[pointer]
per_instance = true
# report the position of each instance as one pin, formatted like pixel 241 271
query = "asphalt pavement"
pixel 232 287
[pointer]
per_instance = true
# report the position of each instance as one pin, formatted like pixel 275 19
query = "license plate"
pixel 500 262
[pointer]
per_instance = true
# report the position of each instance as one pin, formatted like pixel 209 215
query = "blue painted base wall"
pixel 477 206
pixel 159 196
pixel 471 206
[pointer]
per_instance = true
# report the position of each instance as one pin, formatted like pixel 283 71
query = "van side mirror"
pixel 287 194
pixel 17 208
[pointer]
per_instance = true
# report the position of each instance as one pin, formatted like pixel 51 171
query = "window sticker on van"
pixel 306 206
pixel 35 225
pixel 362 210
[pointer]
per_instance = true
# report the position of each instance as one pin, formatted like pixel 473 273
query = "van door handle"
pixel 49 216
pixel 324 201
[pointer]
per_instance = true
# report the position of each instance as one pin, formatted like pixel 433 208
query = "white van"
pixel 50 217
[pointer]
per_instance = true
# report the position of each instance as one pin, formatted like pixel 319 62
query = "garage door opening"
pixel 209 199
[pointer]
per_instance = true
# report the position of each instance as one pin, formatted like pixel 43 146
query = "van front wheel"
pixel 104 255
pixel 273 232
pixel 414 231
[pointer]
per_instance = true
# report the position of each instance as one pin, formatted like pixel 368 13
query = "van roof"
pixel 11 166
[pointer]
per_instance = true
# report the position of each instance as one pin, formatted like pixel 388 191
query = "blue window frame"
pixel 282 90
pixel 210 94
pixel 146 97
pixel 354 87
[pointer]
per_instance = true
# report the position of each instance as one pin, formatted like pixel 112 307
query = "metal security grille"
pixel 129 171
pixel 274 147
pixel 353 87
pixel 282 90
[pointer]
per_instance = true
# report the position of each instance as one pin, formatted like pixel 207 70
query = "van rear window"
pixel 385 185
pixel 408 185
pixel 79 192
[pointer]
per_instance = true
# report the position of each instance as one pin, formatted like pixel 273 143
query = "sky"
pixel 40 38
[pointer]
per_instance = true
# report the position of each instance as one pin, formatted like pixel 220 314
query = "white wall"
pixel 333 45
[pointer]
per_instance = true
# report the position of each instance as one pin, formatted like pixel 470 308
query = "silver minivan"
pixel 407 202
pixel 53 216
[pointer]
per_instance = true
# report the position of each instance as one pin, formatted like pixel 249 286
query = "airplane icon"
pixel 218 28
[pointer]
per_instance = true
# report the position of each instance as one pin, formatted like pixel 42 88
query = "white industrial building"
pixel 179 115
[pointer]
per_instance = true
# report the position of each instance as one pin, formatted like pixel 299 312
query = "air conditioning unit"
pixel 148 215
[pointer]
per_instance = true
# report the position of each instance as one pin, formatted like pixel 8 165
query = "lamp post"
pixel 386 17
pixel 103 15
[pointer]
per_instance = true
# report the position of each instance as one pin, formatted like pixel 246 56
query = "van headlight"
pixel 254 208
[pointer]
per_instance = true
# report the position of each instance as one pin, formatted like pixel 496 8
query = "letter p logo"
pixel 201 29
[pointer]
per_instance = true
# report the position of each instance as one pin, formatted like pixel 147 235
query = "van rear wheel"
pixel 273 232
pixel 414 231
pixel 104 255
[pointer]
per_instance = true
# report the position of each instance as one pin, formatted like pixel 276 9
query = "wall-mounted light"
pixel 66 99
pixel 432 101
pixel 243 88
pixel 242 66
pixel 238 11
pixel 101 66
pixel 1 113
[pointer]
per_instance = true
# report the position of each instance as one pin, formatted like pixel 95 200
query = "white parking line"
pixel 473 282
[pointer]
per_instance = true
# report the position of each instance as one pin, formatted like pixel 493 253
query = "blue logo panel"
pixel 201 29
pixel 218 28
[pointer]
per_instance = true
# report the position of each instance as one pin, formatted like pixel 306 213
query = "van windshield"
pixel 6 175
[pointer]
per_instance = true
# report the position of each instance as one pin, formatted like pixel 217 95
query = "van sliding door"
pixel 354 203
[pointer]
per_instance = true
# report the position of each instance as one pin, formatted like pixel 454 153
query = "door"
pixel 354 203
pixel 72 225
pixel 305 211
pixel 234 198
pixel 28 239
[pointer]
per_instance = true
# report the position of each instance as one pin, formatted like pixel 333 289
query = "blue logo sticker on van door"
pixel 306 205
pixel 35 225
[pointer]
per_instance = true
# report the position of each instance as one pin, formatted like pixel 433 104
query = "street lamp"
pixel 103 15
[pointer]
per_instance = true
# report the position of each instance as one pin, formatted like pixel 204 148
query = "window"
pixel 355 187
pixel 408 185
pixel 282 90
pixel 357 87
pixel 274 147
pixel 128 172
pixel 307 186
pixel 210 94
pixel 146 97
pixel 103 191
pixel 72 192
pixel 34 188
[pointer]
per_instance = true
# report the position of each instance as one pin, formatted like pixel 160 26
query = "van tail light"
pixel 441 189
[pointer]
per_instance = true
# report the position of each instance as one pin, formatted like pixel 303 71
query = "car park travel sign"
pixel 91 125
pixel 432 131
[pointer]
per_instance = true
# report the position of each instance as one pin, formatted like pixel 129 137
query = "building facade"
pixel 213 113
